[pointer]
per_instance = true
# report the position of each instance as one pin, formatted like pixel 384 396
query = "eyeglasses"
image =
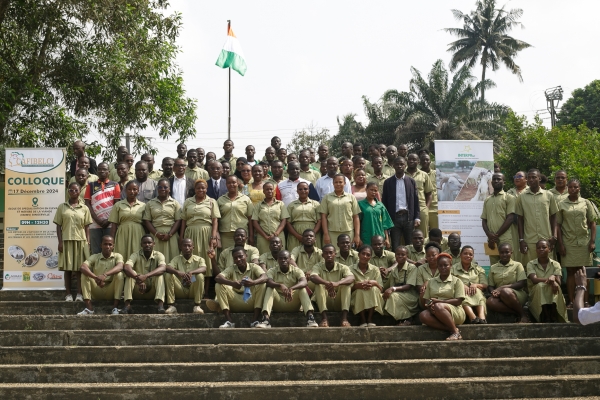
pixel 73 190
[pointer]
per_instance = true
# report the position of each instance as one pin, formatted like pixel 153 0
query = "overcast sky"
pixel 310 62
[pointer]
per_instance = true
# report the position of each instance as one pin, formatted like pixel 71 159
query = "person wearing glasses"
pixel 180 186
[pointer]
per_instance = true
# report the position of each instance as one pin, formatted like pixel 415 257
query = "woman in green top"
pixel 475 281
pixel 200 223
pixel 268 219
pixel 374 217
pixel 162 219
pixel 576 233
pixel 72 221
pixel 442 300
pixel 401 296
pixel 126 218
pixel 546 301
pixel 303 214
pixel 366 291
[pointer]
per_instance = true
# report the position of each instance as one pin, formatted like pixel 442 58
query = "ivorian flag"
pixel 232 54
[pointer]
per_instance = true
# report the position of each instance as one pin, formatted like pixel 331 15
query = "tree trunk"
pixel 482 84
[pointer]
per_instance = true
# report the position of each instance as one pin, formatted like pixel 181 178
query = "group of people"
pixel 293 229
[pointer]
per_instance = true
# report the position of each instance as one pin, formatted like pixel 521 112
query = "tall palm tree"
pixel 441 107
pixel 484 35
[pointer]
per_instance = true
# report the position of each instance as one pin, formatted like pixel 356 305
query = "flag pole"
pixel 229 109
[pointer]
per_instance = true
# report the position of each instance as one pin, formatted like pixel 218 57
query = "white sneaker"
pixel 227 324
pixel 79 298
pixel 198 310
pixel 86 311
pixel 171 310
pixel 68 297
pixel 115 311
pixel 311 323
pixel 265 323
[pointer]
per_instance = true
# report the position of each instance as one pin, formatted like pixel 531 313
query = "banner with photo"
pixel 35 187
pixel 464 171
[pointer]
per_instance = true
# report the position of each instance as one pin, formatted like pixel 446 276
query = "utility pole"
pixel 128 143
pixel 554 94
pixel 229 107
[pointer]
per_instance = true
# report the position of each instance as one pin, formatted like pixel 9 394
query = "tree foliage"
pixel 101 69
pixel 311 136
pixel 484 36
pixel 582 107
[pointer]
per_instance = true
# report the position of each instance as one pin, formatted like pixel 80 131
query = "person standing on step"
pixel 145 271
pixel 323 152
pixel 333 286
pixel 79 151
pixel 288 188
pixel 286 292
pixel 303 214
pixel 377 175
pixel 216 184
pixel 520 182
pixel 81 177
pixel 367 288
pixel 339 214
pixel 497 216
pixel 167 167
pixel 162 218
pixel 193 171
pixel 374 217
pixel 228 156
pixel 325 184
pixel 306 172
pixel 560 191
pixel 72 221
pixel 425 188
pixel 201 156
pixel 181 151
pixel 269 218
pixel 475 281
pixel 102 277
pixel 425 164
pixel 390 154
pixel 146 186
pixel 236 212
pixel 400 295
pixel 113 174
pixel 240 288
pixel 126 221
pixel 152 173
pixel 181 187
pixel 121 153
pixel 184 277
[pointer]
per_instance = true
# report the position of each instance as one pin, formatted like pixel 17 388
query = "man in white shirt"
pixel 289 187
pixel 324 184
pixel 181 184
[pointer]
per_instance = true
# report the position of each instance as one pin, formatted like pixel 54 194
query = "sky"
pixel 310 62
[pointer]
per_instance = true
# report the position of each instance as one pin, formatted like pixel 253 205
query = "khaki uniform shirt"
pixel 501 275
pixel 424 185
pixel 143 265
pixel 350 261
pixel 371 274
pixel 415 255
pixel 304 212
pixel 559 196
pixel 195 213
pixel 226 258
pixel 451 288
pixel 337 273
pixel 234 214
pixel 162 214
pixel 270 216
pixel 407 275
pixel 340 211
pixel 181 264
pixel 122 212
pixel 112 175
pixel 196 173
pixel 475 274
pixel 495 210
pixel 311 175
pixel 434 196
pixel 573 217
pixel 99 265
pixel 268 260
pixel 232 161
pixel 155 175
pixel 386 260
pixel 378 180
pixel 303 260
pixel 534 267
pixel 424 274
pixel 73 220
pixel 536 209
pixel 233 273
pixel 289 278
pixel 388 169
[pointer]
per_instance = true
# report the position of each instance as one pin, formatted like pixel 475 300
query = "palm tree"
pixel 444 108
pixel 484 35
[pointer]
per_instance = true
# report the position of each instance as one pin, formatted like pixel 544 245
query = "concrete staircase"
pixel 48 352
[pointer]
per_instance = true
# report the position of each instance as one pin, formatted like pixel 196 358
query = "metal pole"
pixel 128 143
pixel 229 109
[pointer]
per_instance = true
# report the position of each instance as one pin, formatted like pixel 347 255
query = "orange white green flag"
pixel 232 54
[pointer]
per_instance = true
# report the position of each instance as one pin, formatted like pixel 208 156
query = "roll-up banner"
pixel 35 187
pixel 464 171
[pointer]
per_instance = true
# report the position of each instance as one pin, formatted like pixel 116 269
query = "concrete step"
pixel 297 371
pixel 382 389
pixel 546 347
pixel 171 337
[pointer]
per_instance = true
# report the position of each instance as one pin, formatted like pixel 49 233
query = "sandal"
pixel 482 321
pixel 570 306
pixel 454 336
pixel 345 324
pixel 405 322
pixel 475 321
pixel 324 324
pixel 524 320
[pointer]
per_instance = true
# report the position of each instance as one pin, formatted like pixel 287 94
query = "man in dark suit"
pixel 401 199
pixel 181 186
pixel 79 151
pixel 217 186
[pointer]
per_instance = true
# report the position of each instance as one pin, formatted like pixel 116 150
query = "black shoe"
pixel 482 321
pixel 126 310
pixel 161 309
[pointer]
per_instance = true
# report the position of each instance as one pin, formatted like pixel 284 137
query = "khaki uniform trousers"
pixel 274 301
pixel 176 290
pixel 341 302
pixel 229 299
pixel 156 293
pixel 111 291
pixel 433 220
pixel 424 220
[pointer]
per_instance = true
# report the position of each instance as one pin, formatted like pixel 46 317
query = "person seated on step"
pixel 239 238
pixel 442 300
pixel 269 260
pixel 583 315
pixel 346 255
pixel 144 271
pixel 382 259
pixel 184 278
pixel 475 281
pixel 366 291
pixel 240 288
pixel 400 295
pixel 286 291
pixel 435 235
pixel 416 251
pixel 102 277
pixel 333 286
pixel 546 301
pixel 506 284
pixel 307 255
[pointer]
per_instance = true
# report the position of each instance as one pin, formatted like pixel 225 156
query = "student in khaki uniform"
pixel 184 278
pixel 400 295
pixel 303 214
pixel 339 214
pixel 236 212
pixel 537 210
pixel 497 216
pixel 520 182
pixel 430 269
pixel 442 300
pixel 113 174
pixel 162 218
pixel 307 255
pixel 286 291
pixel 546 301
pixel 475 281
pixel 333 286
pixel 269 219
pixel 388 164
pixel 268 260
pixel 425 188
pixel 506 283
pixel 192 170
pixel 377 175
pixel 82 176
pixel 126 222
pixel 102 277
pixel 425 164
pixel 382 259
pixel 454 247
pixel 559 191
pixel 306 172
pixel 345 254
pixel 239 240
pixel 232 287
pixel 145 270
pixel 367 288
pixel 576 234
pixel 435 235
pixel 416 251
